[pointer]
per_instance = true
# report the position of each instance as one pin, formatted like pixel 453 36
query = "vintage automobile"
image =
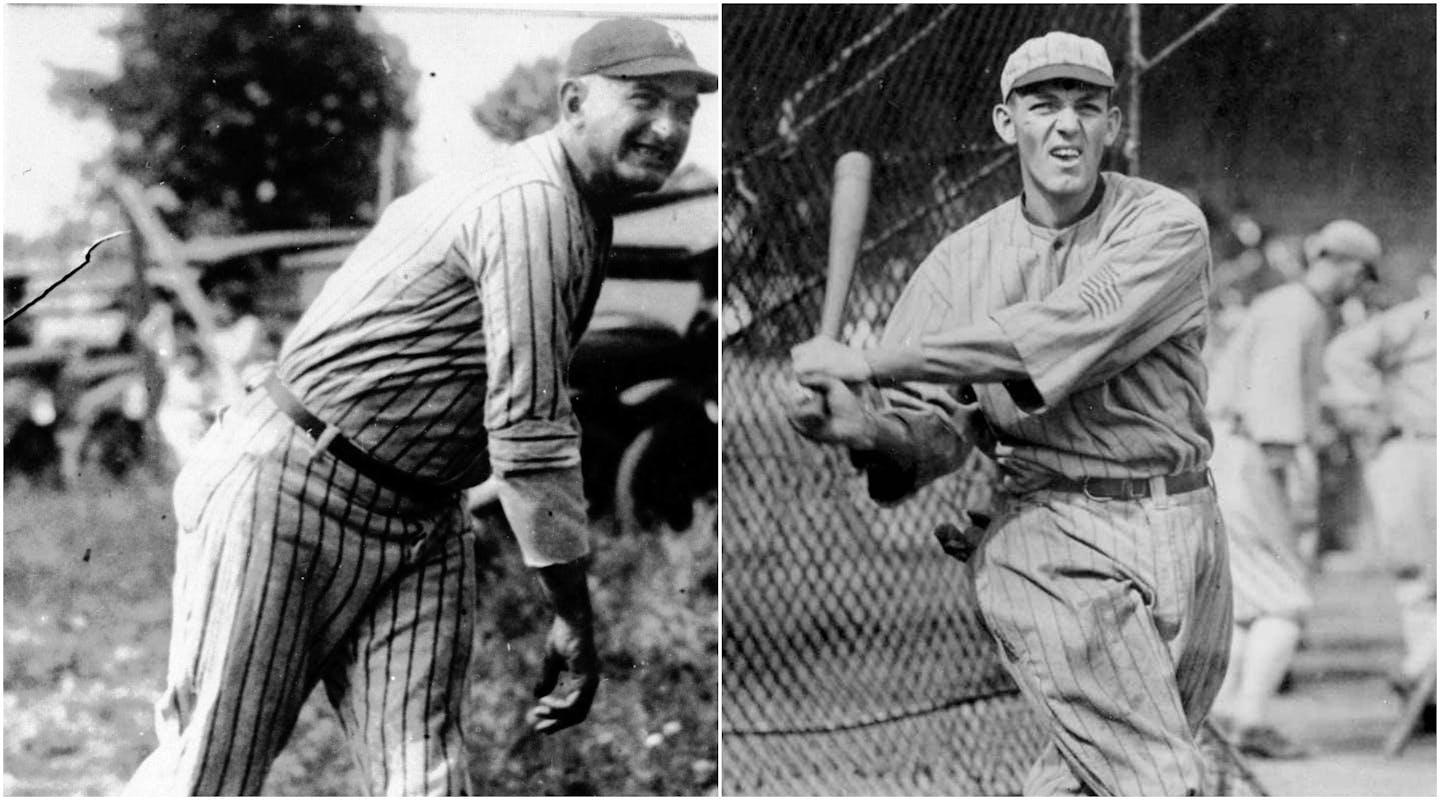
pixel 643 377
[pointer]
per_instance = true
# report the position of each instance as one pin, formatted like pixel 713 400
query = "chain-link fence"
pixel 854 660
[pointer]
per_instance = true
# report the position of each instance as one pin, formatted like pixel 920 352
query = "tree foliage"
pixel 257 117
pixel 525 104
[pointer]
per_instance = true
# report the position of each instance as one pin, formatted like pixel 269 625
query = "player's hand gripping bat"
pixel 849 202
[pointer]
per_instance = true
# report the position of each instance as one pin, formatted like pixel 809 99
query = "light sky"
pixel 469 49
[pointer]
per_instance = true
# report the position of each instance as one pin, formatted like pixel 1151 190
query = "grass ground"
pixel 87 593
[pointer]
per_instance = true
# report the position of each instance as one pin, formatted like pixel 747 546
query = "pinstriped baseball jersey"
pixel 452 323
pixel 1083 348
pixel 440 347
pixel 1083 343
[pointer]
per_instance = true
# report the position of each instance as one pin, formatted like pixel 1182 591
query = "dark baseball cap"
pixel 629 47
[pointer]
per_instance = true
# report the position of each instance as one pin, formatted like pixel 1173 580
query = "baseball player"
pixel 1075 315
pixel 322 536
pixel 1381 377
pixel 1265 398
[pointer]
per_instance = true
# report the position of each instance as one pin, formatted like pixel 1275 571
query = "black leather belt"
pixel 328 438
pixel 1130 488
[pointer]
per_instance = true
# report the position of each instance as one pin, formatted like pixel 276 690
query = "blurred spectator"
pixel 1382 386
pixel 190 398
pixel 1264 397
pixel 240 337
pixel 202 376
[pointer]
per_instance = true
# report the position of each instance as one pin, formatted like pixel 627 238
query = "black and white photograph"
pixel 361 399
pixel 1078 400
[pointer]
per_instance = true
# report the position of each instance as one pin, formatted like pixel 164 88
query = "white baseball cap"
pixel 1057 55
pixel 1344 238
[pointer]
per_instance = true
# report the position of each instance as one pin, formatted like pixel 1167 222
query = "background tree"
pixel 525 104
pixel 257 117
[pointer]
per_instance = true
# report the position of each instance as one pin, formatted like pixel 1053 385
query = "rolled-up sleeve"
pixel 527 410
pixel 534 439
pixel 1107 314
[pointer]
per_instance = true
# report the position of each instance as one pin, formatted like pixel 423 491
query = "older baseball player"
pixel 1266 399
pixel 1075 313
pixel 322 537
pixel 1382 380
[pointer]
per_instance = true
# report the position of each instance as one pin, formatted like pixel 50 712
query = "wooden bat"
pixel 849 202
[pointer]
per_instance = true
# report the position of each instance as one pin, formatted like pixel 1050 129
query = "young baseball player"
pixel 322 536
pixel 1381 377
pixel 1075 314
pixel 1265 398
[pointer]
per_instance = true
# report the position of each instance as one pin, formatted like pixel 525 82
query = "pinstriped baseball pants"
pixel 1114 619
pixel 292 569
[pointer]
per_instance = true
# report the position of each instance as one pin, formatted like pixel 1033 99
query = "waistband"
pixel 328 438
pixel 1132 488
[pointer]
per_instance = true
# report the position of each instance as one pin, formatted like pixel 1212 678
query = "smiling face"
pixel 630 134
pixel 1061 129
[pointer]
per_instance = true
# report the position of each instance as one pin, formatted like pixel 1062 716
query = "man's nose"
pixel 1067 120
pixel 668 123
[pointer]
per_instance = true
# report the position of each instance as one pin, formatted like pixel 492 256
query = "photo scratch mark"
pixel 67 276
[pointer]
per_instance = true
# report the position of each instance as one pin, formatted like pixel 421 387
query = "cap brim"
pixel 706 82
pixel 1054 72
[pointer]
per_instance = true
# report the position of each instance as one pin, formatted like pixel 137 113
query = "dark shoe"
pixel 1263 741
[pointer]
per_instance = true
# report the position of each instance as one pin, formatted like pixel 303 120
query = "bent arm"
pixel 533 437
pixel 1137 293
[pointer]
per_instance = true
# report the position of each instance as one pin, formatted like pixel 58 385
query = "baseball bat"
pixel 849 202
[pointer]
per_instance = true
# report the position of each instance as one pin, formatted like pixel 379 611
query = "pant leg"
pixel 1092 604
pixel 1269 575
pixel 234 681
pixel 401 681
pixel 281 551
pixel 1401 483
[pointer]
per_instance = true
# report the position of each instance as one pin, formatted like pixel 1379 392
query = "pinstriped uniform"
pixel 1267 389
pixel 1112 615
pixel 438 347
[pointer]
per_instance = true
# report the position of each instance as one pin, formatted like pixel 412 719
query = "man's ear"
pixel 572 97
pixel 1004 120
pixel 1113 120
